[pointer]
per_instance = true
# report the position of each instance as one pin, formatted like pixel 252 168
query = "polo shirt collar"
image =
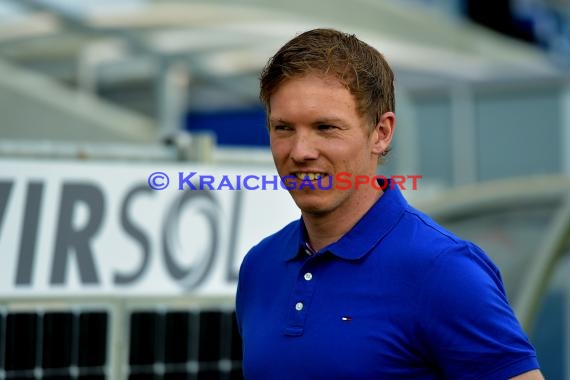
pixel 366 233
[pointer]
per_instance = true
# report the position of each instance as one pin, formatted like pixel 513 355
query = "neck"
pixel 325 229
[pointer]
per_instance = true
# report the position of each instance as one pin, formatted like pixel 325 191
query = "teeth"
pixel 311 176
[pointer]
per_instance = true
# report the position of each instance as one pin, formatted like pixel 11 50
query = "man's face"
pixel 315 130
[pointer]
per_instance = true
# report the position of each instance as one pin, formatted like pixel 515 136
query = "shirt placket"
pixel 300 300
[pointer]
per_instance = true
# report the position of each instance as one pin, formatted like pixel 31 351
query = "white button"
pixel 299 306
pixel 308 276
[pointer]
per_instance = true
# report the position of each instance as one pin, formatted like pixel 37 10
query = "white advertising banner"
pixel 126 229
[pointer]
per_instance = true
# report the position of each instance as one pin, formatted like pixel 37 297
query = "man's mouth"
pixel 311 176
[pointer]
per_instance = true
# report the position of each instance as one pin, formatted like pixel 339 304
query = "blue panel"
pixel 244 127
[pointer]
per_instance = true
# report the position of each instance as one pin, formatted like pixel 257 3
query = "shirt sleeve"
pixel 469 328
pixel 240 297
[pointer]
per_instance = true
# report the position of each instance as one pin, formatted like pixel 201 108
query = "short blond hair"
pixel 357 65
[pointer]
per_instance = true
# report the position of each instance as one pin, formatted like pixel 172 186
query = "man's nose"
pixel 304 148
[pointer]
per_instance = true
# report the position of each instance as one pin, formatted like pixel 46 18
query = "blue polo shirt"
pixel 397 297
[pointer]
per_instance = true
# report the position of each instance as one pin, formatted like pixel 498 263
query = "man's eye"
pixel 282 128
pixel 326 127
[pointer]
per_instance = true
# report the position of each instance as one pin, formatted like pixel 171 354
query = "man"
pixel 363 286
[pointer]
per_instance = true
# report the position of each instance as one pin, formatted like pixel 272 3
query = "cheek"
pixel 348 154
pixel 279 150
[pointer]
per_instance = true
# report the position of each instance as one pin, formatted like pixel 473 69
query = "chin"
pixel 314 205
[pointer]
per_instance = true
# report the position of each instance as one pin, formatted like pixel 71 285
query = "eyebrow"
pixel 329 120
pixel 278 121
pixel 323 120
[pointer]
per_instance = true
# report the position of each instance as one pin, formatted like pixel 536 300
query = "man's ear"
pixel 383 133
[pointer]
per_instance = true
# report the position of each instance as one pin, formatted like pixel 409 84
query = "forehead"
pixel 312 97
pixel 311 85
pixel 308 89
